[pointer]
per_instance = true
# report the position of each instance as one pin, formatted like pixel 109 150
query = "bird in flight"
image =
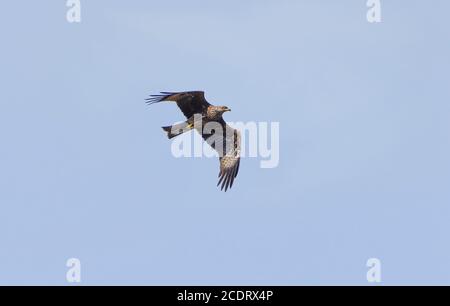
pixel 201 116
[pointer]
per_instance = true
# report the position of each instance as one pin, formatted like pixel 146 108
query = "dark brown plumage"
pixel 194 105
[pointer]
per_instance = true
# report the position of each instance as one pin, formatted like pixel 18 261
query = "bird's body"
pixel 207 120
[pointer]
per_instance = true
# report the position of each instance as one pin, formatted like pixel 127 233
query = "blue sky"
pixel 86 172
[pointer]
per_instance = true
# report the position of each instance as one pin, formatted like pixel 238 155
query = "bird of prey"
pixel 199 114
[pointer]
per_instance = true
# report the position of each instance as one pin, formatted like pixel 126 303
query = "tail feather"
pixel 177 129
pixel 168 129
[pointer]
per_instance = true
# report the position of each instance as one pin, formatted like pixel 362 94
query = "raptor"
pixel 201 116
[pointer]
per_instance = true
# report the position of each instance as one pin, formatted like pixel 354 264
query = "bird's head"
pixel 224 109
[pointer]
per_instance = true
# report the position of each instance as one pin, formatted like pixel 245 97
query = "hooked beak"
pixel 228 110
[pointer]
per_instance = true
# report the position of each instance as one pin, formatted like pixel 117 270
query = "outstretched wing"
pixel 228 145
pixel 190 102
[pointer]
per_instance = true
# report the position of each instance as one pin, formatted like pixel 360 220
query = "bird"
pixel 197 110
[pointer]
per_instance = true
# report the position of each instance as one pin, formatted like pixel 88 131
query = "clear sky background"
pixel 86 171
